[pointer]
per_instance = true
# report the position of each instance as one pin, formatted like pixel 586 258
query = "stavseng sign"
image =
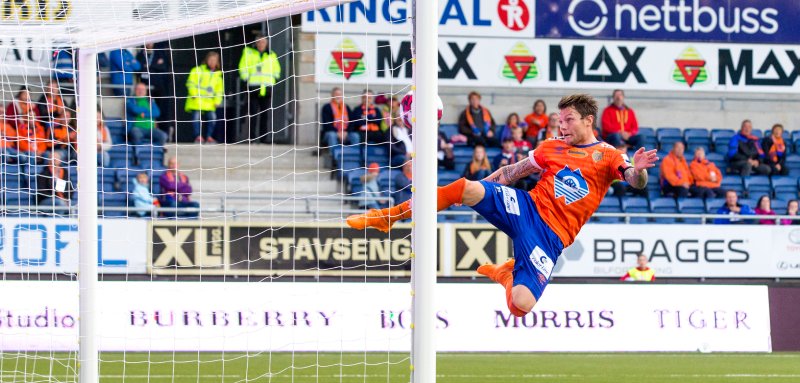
pixel 275 316
pixel 208 248
pixel 487 18
pixel 676 251
pixel 374 59
pixel 729 21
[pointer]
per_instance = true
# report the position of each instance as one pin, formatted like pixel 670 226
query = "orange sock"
pixel 446 196
pixel 507 280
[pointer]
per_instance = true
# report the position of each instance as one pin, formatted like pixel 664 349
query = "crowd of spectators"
pixel 679 176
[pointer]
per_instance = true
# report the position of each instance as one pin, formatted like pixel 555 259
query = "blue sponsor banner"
pixel 733 21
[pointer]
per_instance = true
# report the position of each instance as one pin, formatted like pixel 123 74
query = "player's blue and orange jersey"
pixel 574 181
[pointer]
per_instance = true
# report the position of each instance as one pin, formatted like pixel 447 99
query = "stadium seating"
pixel 756 186
pixel 664 206
pixel 449 130
pixel 636 205
pixel 713 204
pixel 667 137
pixel 648 135
pixel 718 159
pixel 695 137
pixel 610 204
pixel 721 138
pixel 793 163
pixel 691 206
pixel 733 182
pixel 784 187
pixel 779 206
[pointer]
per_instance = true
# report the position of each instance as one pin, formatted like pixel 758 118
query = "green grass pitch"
pixel 394 367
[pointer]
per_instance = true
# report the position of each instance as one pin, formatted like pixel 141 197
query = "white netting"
pixel 237 267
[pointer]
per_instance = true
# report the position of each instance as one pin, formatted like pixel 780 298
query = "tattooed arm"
pixel 637 179
pixel 510 174
pixel 636 175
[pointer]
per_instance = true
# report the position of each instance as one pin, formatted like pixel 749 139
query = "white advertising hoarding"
pixel 690 251
pixel 50 245
pixel 213 316
pixel 535 63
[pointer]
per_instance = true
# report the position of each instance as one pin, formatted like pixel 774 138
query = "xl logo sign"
pixel 770 73
pixel 602 68
pixel 186 247
pixel 394 65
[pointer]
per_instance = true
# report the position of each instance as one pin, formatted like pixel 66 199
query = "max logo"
pixel 571 185
pixel 744 66
pixel 602 63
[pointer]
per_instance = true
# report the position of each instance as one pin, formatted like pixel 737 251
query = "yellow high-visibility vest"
pixel 259 69
pixel 641 275
pixel 205 89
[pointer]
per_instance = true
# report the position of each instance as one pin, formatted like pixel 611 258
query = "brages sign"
pixel 495 18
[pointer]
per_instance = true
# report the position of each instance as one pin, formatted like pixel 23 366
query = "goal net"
pixel 217 146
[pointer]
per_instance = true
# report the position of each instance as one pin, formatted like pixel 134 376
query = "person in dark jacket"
pixel 745 154
pixel 123 65
pixel 366 121
pixel 733 208
pixel 158 74
pixel 334 121
pixel 775 151
pixel 477 123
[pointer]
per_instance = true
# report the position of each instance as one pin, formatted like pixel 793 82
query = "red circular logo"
pixel 514 14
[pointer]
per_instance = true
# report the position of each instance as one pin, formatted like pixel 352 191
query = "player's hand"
pixel 644 159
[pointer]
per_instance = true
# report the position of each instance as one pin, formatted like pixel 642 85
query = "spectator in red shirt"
pixel 537 120
pixel 522 145
pixel 775 151
pixel 619 123
pixel 477 123
pixel 676 179
pixel 707 176
pixel 764 207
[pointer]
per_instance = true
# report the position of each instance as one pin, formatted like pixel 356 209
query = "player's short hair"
pixel 583 103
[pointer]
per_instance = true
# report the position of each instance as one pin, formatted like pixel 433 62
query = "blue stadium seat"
pixel 721 138
pixel 491 153
pixel 793 163
pixel 667 137
pixel 636 205
pixel 719 160
pixel 448 176
pixel 149 156
pixel 784 187
pixel 609 204
pixel 691 206
pixel 377 153
pixel 733 182
pixel 713 204
pixel 756 186
pixel 749 202
pixel 648 135
pixel 779 206
pixel 695 137
pixel 121 156
pixel 664 206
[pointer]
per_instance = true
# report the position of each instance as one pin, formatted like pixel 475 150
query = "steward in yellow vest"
pixel 260 69
pixel 640 273
pixel 205 90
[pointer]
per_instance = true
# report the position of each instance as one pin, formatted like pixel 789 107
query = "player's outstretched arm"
pixel 636 176
pixel 510 174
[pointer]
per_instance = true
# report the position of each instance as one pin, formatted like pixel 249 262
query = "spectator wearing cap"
pixel 371 188
pixel 745 154
pixel 791 209
pixel 764 207
pixel 619 122
pixel 479 168
pixel 707 176
pixel 537 119
pixel 477 123
pixel 676 179
pixel 733 208
pixel 775 151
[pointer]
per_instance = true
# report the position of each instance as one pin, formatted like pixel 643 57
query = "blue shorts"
pixel 536 246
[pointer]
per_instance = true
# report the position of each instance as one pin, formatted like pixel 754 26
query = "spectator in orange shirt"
pixel 764 207
pixel 52 108
pixel 676 179
pixel 477 123
pixel 21 115
pixel 707 177
pixel 619 123
pixel 775 151
pixel 537 120
pixel 8 143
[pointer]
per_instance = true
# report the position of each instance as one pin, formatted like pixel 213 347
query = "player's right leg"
pixel 461 191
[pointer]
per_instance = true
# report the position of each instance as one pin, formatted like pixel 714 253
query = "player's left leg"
pixel 460 191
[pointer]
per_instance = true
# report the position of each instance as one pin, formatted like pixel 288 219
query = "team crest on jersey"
pixel 571 185
pixel 597 156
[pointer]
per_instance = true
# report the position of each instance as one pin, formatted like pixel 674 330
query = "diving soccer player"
pixel 576 171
